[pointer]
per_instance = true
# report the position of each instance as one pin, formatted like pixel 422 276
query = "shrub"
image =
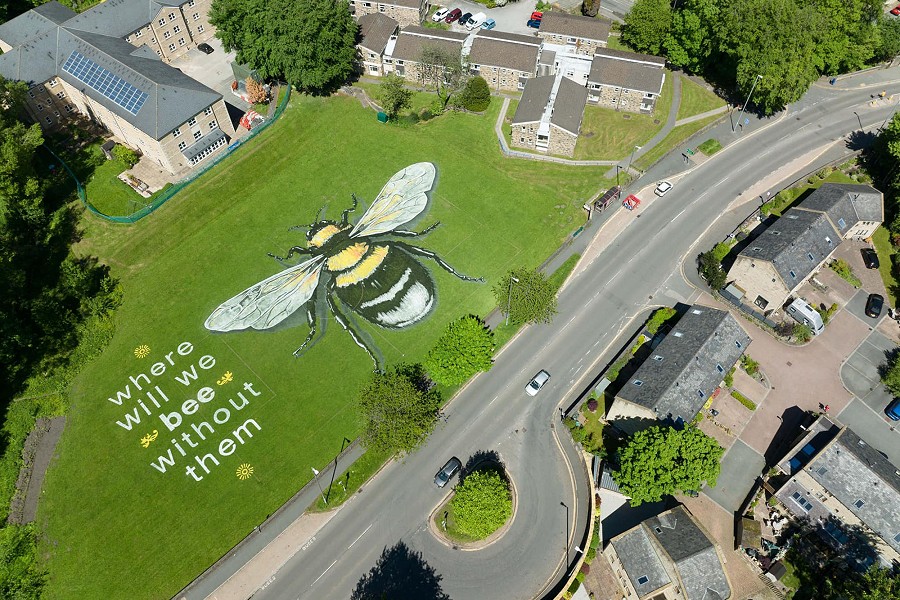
pixel 579 577
pixel 711 270
pixel 126 155
pixel 574 587
pixel 482 503
pixel 743 399
pixel 659 317
pixel 749 365
pixel 842 268
pixel 802 332
pixel 476 96
pixel 592 405
pixel 729 377
pixel 613 373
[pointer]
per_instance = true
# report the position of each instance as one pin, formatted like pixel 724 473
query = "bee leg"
pixel 429 254
pixel 345 216
pixel 426 231
pixel 294 250
pixel 306 345
pixel 347 324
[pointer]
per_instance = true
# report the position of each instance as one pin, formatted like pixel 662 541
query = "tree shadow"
pixel 400 574
pixel 861 140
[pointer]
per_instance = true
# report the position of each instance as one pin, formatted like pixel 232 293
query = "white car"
pixel 439 14
pixel 476 21
pixel 537 382
pixel 662 188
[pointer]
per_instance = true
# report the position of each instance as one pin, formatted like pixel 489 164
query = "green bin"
pixel 382 117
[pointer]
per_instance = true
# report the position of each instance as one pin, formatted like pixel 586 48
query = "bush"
pixel 729 377
pixel 613 373
pixel 465 348
pixel 476 96
pixel 721 250
pixel 842 268
pixel 749 365
pixel 592 405
pixel 802 332
pixel 579 577
pixel 574 587
pixel 711 270
pixel 743 399
pixel 659 317
pixel 126 155
pixel 482 503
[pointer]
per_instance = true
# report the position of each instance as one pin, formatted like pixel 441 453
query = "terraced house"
pixel 405 12
pixel 109 64
pixel 377 36
pixel 405 58
pixel 625 80
pixel 505 60
pixel 580 35
pixel 548 117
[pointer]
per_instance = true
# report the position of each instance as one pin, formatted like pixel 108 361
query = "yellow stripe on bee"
pixel 323 235
pixel 348 257
pixel 365 267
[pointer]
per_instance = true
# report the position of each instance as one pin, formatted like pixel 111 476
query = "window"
pixel 805 504
pixel 192 121
pixel 56 113
pixel 821 470
pixel 793 275
pixel 69 108
pixel 181 41
pixel 571 40
pixel 182 145
pixel 53 82
pixel 897 538
pixel 199 28
pixel 643 579
pixel 60 95
pixel 858 504
pixel 828 240
pixel 191 4
pixel 810 256
pixel 167 34
pixel 678 334
pixel 794 217
pixel 373 68
pixel 177 132
pixel 400 63
pixel 162 22
pixel 701 394
pixel 171 16
pixel 159 52
pixel 213 125
pixel 176 29
pixel 171 47
pixel 738 344
pixel 697 311
pixel 49 121
pixel 208 110
pixel 522 139
pixel 842 223
pixel 30 94
pixel 139 33
pixel 657 357
pixel 638 382
pixel 40 107
pixel 198 135
pixel 720 368
pixel 195 16
pixel 381 8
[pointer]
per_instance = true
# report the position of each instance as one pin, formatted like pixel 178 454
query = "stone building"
pixel 548 117
pixel 405 12
pixel 83 64
pixel 625 80
pixel 505 60
pixel 581 35
pixel 791 250
pixel 376 32
pixel 405 58
pixel 175 29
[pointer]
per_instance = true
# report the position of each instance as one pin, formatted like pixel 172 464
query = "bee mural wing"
pixel 402 199
pixel 270 301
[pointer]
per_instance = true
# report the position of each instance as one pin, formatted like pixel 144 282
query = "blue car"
pixel 893 409
pixel 535 23
pixel 489 24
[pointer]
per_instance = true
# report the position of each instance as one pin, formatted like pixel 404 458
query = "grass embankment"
pixel 696 99
pixel 675 138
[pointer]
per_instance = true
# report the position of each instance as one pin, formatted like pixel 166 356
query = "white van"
pixel 807 315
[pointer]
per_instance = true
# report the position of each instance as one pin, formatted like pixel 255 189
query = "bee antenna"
pixel 321 214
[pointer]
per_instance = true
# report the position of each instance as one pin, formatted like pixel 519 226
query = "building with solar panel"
pixel 110 65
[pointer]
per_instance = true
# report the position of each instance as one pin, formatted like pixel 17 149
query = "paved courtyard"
pixel 741 465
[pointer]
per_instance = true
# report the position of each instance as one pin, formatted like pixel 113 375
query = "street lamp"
pixel 636 148
pixel 752 87
pixel 316 477
pixel 512 279
pixel 566 536
pixel 617 175
pixel 858 120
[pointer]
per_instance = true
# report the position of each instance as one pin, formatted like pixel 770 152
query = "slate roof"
pixel 40 19
pixel 568 109
pixel 694 555
pixel 845 202
pixel 375 29
pixel 560 23
pixel 682 372
pixel 97 34
pixel 640 560
pixel 404 3
pixel 506 50
pixel 658 61
pixel 534 100
pixel 852 471
pixel 626 74
pixel 412 40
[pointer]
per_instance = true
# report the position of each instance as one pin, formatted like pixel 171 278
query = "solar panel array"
pixel 99 79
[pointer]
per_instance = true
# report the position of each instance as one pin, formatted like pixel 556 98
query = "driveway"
pixel 741 465
pixel 511 18
pixel 212 70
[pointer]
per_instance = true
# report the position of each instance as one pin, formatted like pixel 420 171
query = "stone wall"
pixel 562 142
pixel 175 30
pixel 524 136
pixel 404 15
pixel 499 78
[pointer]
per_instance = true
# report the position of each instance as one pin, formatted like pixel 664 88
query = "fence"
pixel 168 193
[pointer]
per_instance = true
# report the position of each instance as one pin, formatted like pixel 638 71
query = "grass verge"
pixel 352 480
pixel 675 137
pixel 885 250
pixel 696 99
pixel 710 147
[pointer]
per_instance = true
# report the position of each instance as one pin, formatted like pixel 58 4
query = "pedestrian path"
pixel 709 113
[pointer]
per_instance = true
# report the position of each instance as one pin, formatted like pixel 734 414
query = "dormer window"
pixel 638 382
pixel 842 223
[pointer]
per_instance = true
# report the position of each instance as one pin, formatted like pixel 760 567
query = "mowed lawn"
pixel 696 99
pixel 115 527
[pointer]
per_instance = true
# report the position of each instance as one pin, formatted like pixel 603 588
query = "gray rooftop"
pixel 375 29
pixel 864 481
pixel 846 204
pixel 640 560
pixel 534 100
pixel 36 21
pixel 694 555
pixel 632 75
pixel 796 244
pixel 684 369
pixel 404 3
pixel 560 23
pixel 118 18
pixel 412 40
pixel 657 61
pixel 506 50
pixel 568 108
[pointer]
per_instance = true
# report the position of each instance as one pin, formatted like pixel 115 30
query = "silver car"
pixel 537 382
pixel 447 472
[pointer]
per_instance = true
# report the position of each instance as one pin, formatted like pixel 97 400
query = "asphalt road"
pixel 640 268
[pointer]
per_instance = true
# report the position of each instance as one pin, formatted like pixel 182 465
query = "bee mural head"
pixel 362 269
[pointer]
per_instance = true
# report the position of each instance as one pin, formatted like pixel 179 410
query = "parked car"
pixel 489 24
pixel 465 18
pixel 874 305
pixel 893 410
pixel 870 258
pixel 476 21
pixel 450 468
pixel 662 188
pixel 440 14
pixel 537 382
pixel 896 10
pixel 453 15
pixel 537 15
pixel 534 23
pixel 205 48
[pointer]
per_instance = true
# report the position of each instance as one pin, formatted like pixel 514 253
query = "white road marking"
pixel 323 573
pixel 360 535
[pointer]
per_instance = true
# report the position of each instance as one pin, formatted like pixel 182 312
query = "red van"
pixel 454 15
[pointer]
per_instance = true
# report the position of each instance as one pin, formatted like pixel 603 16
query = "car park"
pixel 463 20
pixel 440 14
pixel 893 410
pixel 874 305
pixel 453 15
pixel 489 24
pixel 450 468
pixel 205 48
pixel 537 382
pixel 533 23
pixel 896 10
pixel 662 188
pixel 870 258
pixel 476 21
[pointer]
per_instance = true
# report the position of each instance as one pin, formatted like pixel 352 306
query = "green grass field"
pixel 115 527
pixel 696 99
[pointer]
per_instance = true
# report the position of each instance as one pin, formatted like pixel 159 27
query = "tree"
pixel 661 460
pixel 21 576
pixel 590 8
pixel 647 24
pixel 526 296
pixel 399 408
pixel 844 32
pixel 691 40
pixel 476 96
pixel 482 503
pixel 711 270
pixel 442 70
pixel 888 39
pixel 876 584
pixel 890 373
pixel 309 43
pixel 466 348
pixel 393 95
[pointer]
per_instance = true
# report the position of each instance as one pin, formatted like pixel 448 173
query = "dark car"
pixel 893 410
pixel 870 258
pixel 205 48
pixel 534 23
pixel 465 18
pixel 874 305
pixel 454 15
pixel 447 472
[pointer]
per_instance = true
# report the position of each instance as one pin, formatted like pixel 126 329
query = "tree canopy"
pixel 442 70
pixel 476 96
pixel 309 43
pixel 661 460
pixel 465 348
pixel 482 503
pixel 393 94
pixel 890 375
pixel 400 409
pixel 646 25
pixel 526 296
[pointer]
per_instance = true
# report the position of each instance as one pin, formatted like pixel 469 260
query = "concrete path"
pixel 701 116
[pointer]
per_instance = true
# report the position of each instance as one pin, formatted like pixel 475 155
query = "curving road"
pixel 641 267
